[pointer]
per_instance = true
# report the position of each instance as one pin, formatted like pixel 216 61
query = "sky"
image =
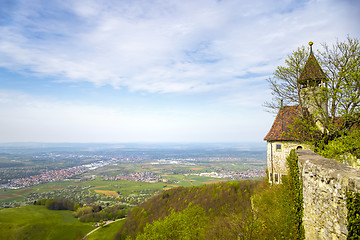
pixel 152 70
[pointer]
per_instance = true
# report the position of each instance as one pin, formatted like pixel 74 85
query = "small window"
pixel 299 148
pixel 276 176
pixel 270 177
pixel 278 147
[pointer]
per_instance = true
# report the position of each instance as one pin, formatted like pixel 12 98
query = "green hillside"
pixel 36 222
pixel 226 210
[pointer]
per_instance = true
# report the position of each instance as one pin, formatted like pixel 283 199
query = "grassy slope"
pixel 36 222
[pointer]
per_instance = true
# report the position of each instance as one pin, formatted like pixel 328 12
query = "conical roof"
pixel 312 73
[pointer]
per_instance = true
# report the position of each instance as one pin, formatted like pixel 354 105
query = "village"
pixel 53 175
pixel 149 177
pixel 235 175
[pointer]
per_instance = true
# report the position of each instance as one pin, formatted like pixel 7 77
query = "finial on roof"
pixel 312 74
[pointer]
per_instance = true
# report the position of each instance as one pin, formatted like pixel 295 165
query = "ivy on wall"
pixel 353 217
pixel 294 184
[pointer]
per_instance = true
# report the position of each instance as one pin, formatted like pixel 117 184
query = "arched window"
pixel 299 148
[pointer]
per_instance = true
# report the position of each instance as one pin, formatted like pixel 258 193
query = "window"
pixel 276 175
pixel 270 177
pixel 278 147
pixel 299 148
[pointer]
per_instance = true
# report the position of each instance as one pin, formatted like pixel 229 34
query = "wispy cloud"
pixel 160 46
pixel 221 51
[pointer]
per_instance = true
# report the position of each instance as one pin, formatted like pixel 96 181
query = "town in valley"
pixel 78 170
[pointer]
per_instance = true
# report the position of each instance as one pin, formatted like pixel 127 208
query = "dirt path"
pixel 109 222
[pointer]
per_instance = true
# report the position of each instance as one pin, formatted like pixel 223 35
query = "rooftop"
pixel 280 129
pixel 312 72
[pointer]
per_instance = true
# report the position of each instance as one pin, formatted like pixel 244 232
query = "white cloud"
pixel 163 46
pixel 222 49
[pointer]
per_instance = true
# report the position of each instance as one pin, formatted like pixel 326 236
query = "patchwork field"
pixel 108 188
pixel 177 168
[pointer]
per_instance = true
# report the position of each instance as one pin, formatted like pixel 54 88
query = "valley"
pixel 108 177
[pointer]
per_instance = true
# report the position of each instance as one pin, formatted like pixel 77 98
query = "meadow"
pixel 36 222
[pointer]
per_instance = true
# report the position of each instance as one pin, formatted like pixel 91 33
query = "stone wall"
pixel 325 183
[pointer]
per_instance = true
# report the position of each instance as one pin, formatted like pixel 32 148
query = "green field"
pixel 36 222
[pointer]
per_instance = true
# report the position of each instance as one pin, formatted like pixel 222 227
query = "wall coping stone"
pixel 308 160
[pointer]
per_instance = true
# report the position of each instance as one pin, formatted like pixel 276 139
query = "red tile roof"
pixel 280 129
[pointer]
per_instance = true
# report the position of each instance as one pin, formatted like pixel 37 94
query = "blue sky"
pixel 151 71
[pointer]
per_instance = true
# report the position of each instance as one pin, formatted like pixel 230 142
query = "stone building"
pixel 279 139
pixel 280 142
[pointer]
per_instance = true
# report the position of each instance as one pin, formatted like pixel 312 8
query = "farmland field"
pixel 107 193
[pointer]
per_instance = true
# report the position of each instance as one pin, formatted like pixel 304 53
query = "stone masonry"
pixel 276 163
pixel 325 183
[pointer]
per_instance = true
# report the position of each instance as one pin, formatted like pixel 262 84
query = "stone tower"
pixel 312 89
pixel 312 101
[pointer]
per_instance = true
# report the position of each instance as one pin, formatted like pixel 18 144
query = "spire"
pixel 312 74
pixel 310 44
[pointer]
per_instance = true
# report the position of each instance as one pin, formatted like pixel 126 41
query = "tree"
pixel 188 224
pixel 341 91
pixel 283 83
pixel 341 62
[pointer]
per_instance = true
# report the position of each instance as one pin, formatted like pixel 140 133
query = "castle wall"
pixel 276 158
pixel 325 183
